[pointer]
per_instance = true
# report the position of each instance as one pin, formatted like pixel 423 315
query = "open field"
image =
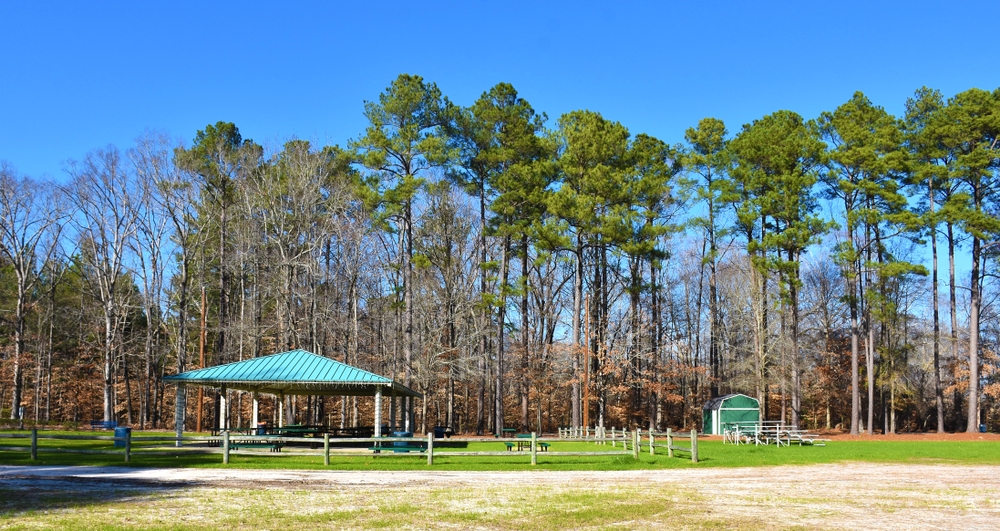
pixel 832 496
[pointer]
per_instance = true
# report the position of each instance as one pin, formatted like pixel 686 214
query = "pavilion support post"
pixel 281 410
pixel 179 409
pixel 391 421
pixel 223 410
pixel 411 408
pixel 256 409
pixel 378 412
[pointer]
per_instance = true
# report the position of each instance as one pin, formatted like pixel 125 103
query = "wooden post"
pixel 534 449
pixel 430 448
pixel 326 449
pixel 652 443
pixel 614 443
pixel 636 437
pixel 225 447
pixel 670 443
pixel 694 446
pixel 34 444
pixel 128 445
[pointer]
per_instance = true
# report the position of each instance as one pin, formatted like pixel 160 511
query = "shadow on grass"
pixel 24 495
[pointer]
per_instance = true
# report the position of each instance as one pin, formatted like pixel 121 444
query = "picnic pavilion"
pixel 292 373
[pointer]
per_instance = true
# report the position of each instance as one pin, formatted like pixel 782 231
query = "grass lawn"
pixel 712 453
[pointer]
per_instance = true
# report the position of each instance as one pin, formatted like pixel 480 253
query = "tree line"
pixel 522 272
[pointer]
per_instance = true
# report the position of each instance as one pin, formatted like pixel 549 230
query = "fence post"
pixel 694 446
pixel 326 449
pixel 225 447
pixel 670 443
pixel 534 449
pixel 128 445
pixel 430 448
pixel 34 444
pixel 637 436
pixel 651 443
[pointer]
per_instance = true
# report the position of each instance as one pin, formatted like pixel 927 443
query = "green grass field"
pixel 712 453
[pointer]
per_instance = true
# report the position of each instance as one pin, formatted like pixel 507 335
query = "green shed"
pixel 719 413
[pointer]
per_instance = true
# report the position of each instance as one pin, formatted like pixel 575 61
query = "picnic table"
pixel 524 442
pixel 296 430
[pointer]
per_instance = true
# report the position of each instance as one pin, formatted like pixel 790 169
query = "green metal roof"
pixel 296 372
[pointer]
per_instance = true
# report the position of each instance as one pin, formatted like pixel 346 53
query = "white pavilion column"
pixel 223 410
pixel 255 396
pixel 281 410
pixel 378 412
pixel 393 409
pixel 179 407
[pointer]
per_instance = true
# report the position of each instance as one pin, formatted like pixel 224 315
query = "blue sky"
pixel 74 77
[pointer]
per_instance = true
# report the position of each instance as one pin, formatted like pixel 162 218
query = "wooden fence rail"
pixel 227 443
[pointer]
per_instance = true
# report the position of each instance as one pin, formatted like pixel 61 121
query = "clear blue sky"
pixel 81 75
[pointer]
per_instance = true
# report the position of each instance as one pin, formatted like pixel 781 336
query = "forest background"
pixel 497 260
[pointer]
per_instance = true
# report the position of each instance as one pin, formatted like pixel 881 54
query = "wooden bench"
pixel 103 424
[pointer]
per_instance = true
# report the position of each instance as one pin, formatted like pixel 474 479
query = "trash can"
pixel 261 428
pixel 120 434
pixel 401 434
pixel 982 428
pixel 439 432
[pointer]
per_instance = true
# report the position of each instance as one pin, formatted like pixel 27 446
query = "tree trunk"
pixel 408 314
pixel 526 354
pixel 577 308
pixel 19 320
pixel 972 418
pixel 938 392
pixel 108 357
pixel 952 295
pixel 793 292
